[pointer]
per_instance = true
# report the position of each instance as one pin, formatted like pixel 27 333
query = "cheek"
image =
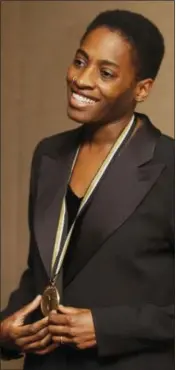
pixel 111 90
pixel 117 93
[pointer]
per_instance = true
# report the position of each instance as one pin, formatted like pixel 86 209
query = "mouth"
pixel 79 100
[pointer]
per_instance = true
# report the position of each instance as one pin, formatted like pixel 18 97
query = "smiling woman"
pixel 101 218
pixel 100 73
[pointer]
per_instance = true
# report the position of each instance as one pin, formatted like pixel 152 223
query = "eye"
pixel 78 62
pixel 106 74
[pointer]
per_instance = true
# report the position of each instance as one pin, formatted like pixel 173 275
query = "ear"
pixel 143 89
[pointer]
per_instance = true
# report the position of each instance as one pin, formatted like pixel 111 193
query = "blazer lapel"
pixel 122 188
pixel 52 184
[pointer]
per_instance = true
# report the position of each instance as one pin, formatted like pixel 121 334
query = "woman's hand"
pixel 72 326
pixel 28 338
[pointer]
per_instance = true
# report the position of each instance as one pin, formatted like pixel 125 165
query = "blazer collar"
pixel 54 172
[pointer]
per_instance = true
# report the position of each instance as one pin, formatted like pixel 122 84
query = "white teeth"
pixel 83 99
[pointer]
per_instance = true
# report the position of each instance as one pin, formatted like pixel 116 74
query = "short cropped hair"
pixel 145 38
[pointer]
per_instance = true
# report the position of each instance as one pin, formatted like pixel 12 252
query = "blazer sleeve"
pixel 124 329
pixel 18 298
pixel 26 290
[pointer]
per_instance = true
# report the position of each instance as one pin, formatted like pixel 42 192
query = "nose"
pixel 87 78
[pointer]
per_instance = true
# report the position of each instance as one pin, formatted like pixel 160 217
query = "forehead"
pixel 105 44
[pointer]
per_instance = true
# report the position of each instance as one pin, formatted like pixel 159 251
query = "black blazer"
pixel 121 265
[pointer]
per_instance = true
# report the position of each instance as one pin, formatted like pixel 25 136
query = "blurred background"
pixel 39 39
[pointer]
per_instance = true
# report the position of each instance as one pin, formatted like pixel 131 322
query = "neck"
pixel 101 135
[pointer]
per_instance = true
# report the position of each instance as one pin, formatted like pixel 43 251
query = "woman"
pixel 101 218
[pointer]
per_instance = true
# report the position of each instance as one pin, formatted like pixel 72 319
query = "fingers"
pixel 58 319
pixel 37 345
pixel 61 339
pixel 27 330
pixel 69 310
pixel 58 330
pixel 22 341
pixel 86 344
pixel 77 342
pixel 72 326
pixel 48 349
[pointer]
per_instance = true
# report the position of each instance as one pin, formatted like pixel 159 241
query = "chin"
pixel 78 116
pixel 74 118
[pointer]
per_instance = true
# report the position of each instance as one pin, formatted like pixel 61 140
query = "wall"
pixel 38 42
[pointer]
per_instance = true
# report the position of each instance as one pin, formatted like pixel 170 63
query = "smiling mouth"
pixel 78 100
pixel 82 98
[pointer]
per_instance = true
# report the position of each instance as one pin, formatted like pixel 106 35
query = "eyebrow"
pixel 102 61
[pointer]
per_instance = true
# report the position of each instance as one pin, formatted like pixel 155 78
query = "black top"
pixel 73 203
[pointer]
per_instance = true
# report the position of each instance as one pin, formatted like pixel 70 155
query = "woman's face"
pixel 101 79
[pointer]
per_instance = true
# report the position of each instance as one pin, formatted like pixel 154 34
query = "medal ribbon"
pixel 55 267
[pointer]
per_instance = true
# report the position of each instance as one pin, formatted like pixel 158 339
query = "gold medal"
pixel 50 300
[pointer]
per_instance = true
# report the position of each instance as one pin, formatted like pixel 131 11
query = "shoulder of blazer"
pixel 165 151
pixel 53 145
pixel 164 148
